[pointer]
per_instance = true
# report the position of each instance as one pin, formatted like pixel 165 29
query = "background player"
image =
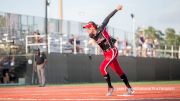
pixel 40 62
pixel 106 43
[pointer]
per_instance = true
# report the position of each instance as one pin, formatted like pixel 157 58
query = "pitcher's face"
pixel 91 31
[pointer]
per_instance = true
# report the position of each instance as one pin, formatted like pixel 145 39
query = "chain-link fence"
pixel 21 32
pixel 61 33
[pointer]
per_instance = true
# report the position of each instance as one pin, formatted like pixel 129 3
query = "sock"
pixel 108 80
pixel 125 80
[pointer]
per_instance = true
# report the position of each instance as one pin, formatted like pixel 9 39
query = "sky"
pixel 160 14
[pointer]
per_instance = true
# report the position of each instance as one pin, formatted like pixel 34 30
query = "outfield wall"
pixel 69 68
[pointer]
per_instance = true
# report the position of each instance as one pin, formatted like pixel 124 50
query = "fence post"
pixel 172 51
pixel 61 43
pixel 75 51
pixel 179 53
pixel 26 44
pixel 165 49
pixel 85 47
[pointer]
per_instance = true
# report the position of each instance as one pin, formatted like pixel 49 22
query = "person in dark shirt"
pixel 37 37
pixel 6 68
pixel 106 43
pixel 40 62
pixel 78 47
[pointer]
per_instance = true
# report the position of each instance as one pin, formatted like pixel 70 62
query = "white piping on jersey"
pixel 114 55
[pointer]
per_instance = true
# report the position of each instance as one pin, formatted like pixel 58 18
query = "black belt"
pixel 107 50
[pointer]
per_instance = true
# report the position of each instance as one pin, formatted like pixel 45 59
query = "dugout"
pixel 13 70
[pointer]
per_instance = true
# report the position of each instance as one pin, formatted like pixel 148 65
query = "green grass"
pixel 118 83
pixel 103 83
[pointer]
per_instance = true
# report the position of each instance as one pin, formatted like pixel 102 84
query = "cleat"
pixel 110 91
pixel 43 85
pixel 130 91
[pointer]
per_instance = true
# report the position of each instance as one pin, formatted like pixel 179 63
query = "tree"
pixel 171 37
pixel 151 33
pixel 178 40
pixel 2 21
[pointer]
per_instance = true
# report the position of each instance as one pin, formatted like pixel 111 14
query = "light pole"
pixel 60 12
pixel 133 32
pixel 46 23
pixel 61 9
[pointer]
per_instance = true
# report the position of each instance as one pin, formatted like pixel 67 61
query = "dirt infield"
pixel 145 92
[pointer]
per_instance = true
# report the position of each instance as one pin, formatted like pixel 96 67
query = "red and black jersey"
pixel 102 37
pixel 104 40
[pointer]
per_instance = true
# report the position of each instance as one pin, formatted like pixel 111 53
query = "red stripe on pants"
pixel 111 60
